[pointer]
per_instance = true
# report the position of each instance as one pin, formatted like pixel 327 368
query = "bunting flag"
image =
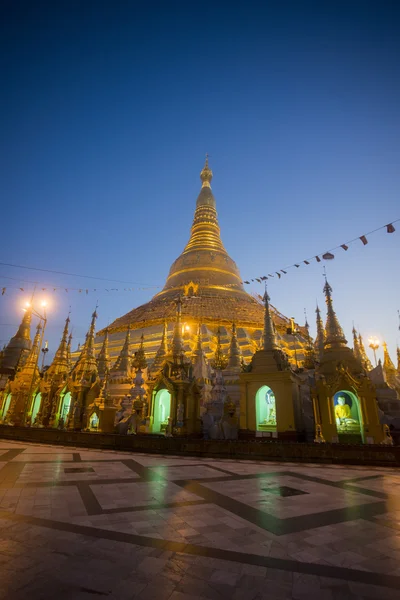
pixel 325 256
pixel 329 255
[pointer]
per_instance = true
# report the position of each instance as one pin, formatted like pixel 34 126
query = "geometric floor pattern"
pixel 81 524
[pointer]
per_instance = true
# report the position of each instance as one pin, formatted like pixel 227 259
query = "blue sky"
pixel 108 109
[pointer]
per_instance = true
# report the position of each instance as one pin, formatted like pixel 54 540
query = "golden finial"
pixel 206 174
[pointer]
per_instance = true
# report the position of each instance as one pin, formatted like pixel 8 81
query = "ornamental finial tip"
pixel 206 174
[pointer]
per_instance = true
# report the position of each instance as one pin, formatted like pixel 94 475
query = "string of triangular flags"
pixel 278 273
pixel 328 255
pixel 56 288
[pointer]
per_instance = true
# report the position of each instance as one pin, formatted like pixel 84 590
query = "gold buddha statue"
pixel 343 414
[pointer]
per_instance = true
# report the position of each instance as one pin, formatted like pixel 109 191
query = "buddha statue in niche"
pixel 343 413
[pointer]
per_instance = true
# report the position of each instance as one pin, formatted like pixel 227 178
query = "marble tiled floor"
pixel 78 524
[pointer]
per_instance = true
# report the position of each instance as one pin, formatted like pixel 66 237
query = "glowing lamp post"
pixel 374 344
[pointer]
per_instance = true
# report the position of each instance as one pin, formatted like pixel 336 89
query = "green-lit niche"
pixel 6 405
pixel 65 406
pixel 94 422
pixel 265 409
pixel 162 410
pixel 36 406
pixel 347 413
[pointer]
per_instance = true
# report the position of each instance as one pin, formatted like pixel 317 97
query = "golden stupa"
pixel 208 282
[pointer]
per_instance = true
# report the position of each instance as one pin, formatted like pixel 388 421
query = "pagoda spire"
pixel 334 332
pixel 24 330
pixel 103 359
pixel 366 363
pixel 321 334
pixel 69 349
pixel 61 358
pixel 269 334
pixel 234 360
pixel 220 360
pixel 139 362
pixel 309 358
pixel 162 349
pixel 177 341
pixel 398 360
pixel 356 345
pixel 198 351
pixel 206 175
pixel 17 349
pixel 31 361
pixel 123 362
pixel 87 353
pixel 388 366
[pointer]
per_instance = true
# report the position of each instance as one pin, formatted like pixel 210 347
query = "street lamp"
pixel 374 344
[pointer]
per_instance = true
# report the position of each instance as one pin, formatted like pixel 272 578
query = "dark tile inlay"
pixel 284 491
pixel 10 454
pixel 79 470
pixel 335 572
pixel 92 505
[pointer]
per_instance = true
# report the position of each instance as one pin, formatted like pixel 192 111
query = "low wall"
pixel 242 449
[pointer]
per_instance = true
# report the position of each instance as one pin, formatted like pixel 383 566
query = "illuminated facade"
pixel 203 357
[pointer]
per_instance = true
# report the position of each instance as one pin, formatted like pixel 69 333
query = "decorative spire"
pixel 24 330
pixel 234 350
pixel 123 361
pixel 398 360
pixel 87 359
pixel 177 342
pixel 388 366
pixel 206 175
pixel 162 349
pixel 198 351
pixel 309 358
pixel 60 361
pixel 103 359
pixel 321 335
pixel 90 336
pixel 366 363
pixel 69 349
pixel 334 332
pixel 139 362
pixel 31 361
pixel 269 334
pixel 220 360
pixel 18 347
pixel 356 345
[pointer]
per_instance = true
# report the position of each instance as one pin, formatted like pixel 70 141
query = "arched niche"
pixel 162 410
pixel 265 409
pixel 94 422
pixel 6 406
pixel 65 405
pixel 348 417
pixel 36 406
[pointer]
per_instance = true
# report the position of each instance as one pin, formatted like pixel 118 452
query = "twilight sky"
pixel 108 108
